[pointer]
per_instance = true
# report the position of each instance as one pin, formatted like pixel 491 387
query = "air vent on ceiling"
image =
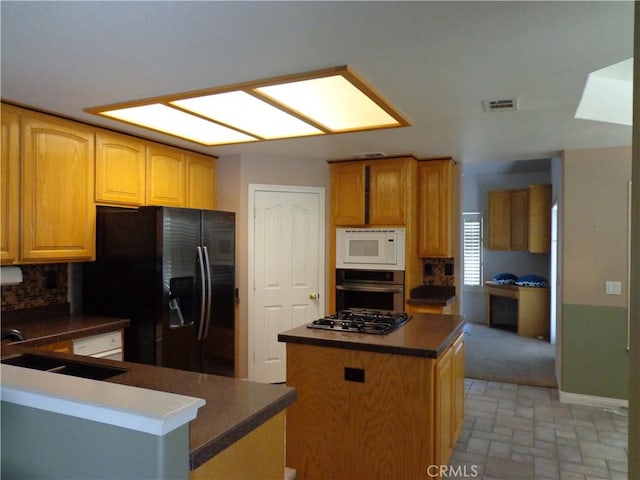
pixel 502 105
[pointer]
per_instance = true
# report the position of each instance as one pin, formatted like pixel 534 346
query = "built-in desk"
pixel 530 308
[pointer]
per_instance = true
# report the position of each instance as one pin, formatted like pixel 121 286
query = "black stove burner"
pixel 362 320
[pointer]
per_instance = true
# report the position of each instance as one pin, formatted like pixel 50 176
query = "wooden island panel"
pixel 375 406
pixel 380 427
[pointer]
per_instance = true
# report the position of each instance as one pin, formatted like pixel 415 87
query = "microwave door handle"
pixel 208 272
pixel 372 288
pixel 202 292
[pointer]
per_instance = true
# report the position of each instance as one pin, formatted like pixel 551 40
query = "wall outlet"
pixel 612 288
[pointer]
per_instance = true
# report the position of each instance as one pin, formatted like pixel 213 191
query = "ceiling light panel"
pixel 180 124
pixel 331 101
pixel 245 112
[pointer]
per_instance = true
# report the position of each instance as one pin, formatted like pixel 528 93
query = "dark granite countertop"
pixel 432 295
pixel 424 335
pixel 233 407
pixel 63 327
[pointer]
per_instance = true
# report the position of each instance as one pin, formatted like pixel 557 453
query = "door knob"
pixel 314 296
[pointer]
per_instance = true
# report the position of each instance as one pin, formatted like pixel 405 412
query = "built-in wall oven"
pixel 372 289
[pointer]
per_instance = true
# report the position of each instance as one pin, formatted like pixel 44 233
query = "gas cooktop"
pixel 362 320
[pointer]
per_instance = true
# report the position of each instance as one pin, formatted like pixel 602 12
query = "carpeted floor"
pixel 503 356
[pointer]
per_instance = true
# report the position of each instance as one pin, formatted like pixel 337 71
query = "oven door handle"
pixel 371 288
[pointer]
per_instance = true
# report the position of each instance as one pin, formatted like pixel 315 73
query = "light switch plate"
pixel 612 288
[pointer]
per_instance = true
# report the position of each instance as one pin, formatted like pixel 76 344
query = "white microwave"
pixel 370 248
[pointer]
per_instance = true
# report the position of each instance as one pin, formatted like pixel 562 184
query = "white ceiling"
pixel 435 61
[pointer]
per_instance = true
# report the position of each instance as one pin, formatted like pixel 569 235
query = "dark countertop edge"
pixel 104 327
pixel 206 452
pixel 366 347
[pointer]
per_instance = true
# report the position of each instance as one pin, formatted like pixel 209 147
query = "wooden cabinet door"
pixel 201 182
pixel 166 172
pixel 348 193
pixel 388 190
pixel 458 388
pixel 10 187
pixel 499 220
pixel 120 169
pixel 435 192
pixel 520 219
pixel 377 406
pixel 444 408
pixel 58 209
pixel 63 346
pixel 539 218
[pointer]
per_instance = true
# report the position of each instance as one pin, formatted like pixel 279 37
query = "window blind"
pixel 472 249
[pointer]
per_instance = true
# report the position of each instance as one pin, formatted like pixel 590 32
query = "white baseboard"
pixel 592 400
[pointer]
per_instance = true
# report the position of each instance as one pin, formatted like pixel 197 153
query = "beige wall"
pixel 595 225
pixel 235 174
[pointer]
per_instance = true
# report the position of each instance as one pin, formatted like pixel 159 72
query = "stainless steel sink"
pixel 63 366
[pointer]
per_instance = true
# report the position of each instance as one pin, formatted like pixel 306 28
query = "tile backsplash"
pixel 42 285
pixel 438 271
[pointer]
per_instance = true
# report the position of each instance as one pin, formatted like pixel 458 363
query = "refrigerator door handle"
pixel 202 293
pixel 209 296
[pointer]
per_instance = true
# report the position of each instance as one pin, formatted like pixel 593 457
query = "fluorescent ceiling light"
pixel 177 123
pixel 248 113
pixel 608 94
pixel 333 100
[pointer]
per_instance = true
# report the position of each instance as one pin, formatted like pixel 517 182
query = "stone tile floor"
pixel 520 432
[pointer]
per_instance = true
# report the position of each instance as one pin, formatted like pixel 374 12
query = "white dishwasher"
pixel 106 345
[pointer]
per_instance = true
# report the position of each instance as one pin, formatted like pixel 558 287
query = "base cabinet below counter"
pixel 258 456
pixel 105 345
pixel 363 414
pixel 439 309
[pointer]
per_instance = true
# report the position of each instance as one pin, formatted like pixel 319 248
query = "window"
pixel 472 249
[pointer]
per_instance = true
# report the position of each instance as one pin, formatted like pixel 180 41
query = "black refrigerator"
pixel 171 271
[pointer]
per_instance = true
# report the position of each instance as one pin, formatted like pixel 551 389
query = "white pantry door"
pixel 288 272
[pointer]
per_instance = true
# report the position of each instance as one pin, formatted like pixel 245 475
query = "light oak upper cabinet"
pixel 58 210
pixel 370 192
pixel 201 182
pixel 435 208
pixel 348 193
pixel 499 220
pixel 540 218
pixel 120 169
pixel 166 176
pixel 520 219
pixel 388 187
pixel 10 187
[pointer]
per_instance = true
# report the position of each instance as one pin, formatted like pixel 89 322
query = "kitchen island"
pixel 375 406
pixel 235 419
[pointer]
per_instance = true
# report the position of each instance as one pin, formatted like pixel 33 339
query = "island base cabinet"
pixel 359 414
pixel 449 400
pixel 258 456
